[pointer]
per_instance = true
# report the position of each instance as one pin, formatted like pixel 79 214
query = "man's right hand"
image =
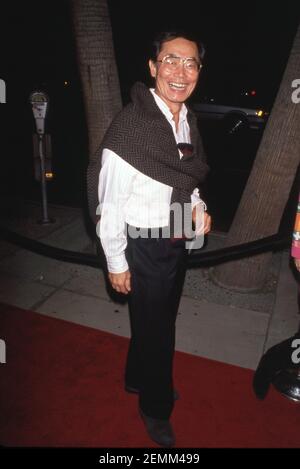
pixel 121 282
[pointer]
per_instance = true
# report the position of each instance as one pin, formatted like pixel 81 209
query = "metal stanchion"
pixel 287 382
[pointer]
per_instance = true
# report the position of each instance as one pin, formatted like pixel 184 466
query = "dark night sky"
pixel 247 42
pixel 247 45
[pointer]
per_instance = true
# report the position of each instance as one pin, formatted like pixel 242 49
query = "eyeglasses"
pixel 172 62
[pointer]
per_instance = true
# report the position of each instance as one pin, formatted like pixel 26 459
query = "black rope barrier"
pixel 273 243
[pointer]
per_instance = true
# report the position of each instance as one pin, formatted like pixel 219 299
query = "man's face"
pixel 175 86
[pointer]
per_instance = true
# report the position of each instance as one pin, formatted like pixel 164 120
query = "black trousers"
pixel 157 269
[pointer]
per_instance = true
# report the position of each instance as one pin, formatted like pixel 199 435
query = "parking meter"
pixel 39 102
pixel 47 152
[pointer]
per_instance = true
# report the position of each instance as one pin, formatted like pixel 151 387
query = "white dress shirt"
pixel 128 196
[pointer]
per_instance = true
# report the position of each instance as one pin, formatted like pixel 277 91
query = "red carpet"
pixel 62 385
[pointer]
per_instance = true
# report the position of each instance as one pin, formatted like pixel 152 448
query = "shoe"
pixel 159 430
pixel 132 390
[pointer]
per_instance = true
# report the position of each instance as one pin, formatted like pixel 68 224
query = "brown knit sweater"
pixel 142 136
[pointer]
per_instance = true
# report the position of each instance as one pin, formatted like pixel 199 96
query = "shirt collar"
pixel 165 109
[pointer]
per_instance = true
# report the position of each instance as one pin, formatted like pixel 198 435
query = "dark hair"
pixel 166 36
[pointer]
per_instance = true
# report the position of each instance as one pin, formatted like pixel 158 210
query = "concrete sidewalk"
pixel 213 322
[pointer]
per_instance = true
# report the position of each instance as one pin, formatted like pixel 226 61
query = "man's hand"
pixel 120 282
pixel 297 264
pixel 204 227
pixel 207 222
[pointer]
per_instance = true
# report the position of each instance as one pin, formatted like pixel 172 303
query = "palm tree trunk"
pixel 97 66
pixel 99 78
pixel 269 184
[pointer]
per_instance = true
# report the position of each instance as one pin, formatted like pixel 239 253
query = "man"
pixel 145 169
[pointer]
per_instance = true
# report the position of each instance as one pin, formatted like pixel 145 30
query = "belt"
pixel 152 233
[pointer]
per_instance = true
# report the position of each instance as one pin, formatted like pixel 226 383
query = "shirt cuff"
pixel 195 200
pixel 117 264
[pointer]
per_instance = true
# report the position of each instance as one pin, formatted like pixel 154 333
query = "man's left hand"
pixel 207 223
pixel 206 226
